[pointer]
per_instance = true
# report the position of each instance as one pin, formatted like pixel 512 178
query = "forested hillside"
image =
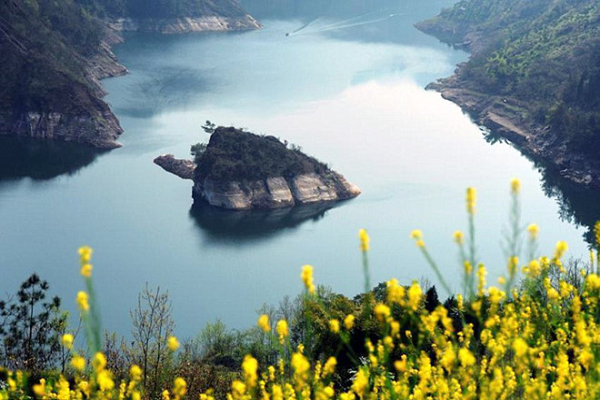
pixel 55 51
pixel 545 54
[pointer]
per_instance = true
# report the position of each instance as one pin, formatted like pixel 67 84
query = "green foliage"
pixel 30 328
pixel 542 52
pixel 234 155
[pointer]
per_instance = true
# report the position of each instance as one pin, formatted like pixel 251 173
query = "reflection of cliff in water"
pixel 242 226
pixel 42 159
pixel 578 205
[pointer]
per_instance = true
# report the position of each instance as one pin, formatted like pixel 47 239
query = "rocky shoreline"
pixel 184 24
pixel 508 117
pixel 91 121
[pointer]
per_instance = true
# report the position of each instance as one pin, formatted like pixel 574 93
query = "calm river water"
pixel 348 91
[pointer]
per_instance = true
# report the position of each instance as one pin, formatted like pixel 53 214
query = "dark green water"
pixel 350 92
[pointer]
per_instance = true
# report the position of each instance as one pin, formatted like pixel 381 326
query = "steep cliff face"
pixel 56 52
pixel 185 24
pixel 54 58
pixel 275 192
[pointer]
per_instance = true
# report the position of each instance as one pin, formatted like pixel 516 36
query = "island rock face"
pixel 242 171
pixel 182 168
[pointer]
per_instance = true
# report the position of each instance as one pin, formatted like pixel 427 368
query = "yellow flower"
pixel 481 273
pixel 597 233
pixel 361 382
pixel 592 282
pixel 307 278
pixel 349 321
pixel 553 294
pixel 533 231
pixel 85 254
pixel 468 268
pixel 172 343
pixel 561 248
pixel 282 330
pixel 78 363
pixel 40 389
pixel 250 367
pixel 105 380
pixel 165 395
pixel 82 301
pixel 513 263
pixel 459 302
pixel 263 323
pixel 99 361
pixel 416 234
pixel 515 186
pixel 135 372
pixel 364 240
pixel 395 292
pixel 67 340
pixel 471 200
pixel 334 326
pixel 466 357
pixel 458 237
pixel 382 312
pixel 520 347
pixel 414 296
pixel 86 270
pixel 301 366
pixel 329 367
pixel 277 392
pixel 448 359
pixel 179 387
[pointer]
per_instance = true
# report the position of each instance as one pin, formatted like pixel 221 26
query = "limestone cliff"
pixel 182 168
pixel 56 53
pixel 275 192
pixel 185 24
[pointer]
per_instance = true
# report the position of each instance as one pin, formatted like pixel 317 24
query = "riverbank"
pixel 508 118
pixel 505 115
pixel 52 72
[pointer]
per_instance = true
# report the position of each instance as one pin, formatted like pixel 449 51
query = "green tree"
pixel 31 328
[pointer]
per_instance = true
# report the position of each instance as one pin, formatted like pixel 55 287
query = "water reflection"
pixel 249 226
pixel 577 205
pixel 162 90
pixel 42 159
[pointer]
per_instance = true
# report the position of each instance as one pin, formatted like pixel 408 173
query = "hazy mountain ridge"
pixel 535 63
pixel 56 52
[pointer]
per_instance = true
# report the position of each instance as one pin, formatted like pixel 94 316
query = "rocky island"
pixel 239 170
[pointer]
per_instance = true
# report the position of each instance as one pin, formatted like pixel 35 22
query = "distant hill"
pixel 535 62
pixel 54 52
